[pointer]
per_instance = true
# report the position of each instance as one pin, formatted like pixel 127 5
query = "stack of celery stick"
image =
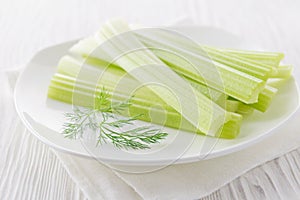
pixel 206 89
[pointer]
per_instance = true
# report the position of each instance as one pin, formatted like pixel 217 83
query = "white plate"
pixel 44 117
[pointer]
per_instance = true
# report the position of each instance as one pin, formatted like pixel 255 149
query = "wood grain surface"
pixel 30 170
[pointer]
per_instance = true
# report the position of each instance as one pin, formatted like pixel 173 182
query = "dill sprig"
pixel 104 120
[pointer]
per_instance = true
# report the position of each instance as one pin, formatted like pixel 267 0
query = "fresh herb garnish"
pixel 110 127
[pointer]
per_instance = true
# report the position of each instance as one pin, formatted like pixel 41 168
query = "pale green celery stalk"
pixel 262 57
pixel 259 70
pixel 71 66
pixel 109 77
pixel 232 105
pixel 275 71
pixel 85 47
pixel 169 118
pixel 282 71
pixel 255 70
pixel 142 96
pixel 277 82
pixel 244 109
pixel 238 107
pixel 244 85
pixel 237 84
pixel 88 45
pixel 264 99
pixel 269 58
pixel 80 86
pixel 209 117
pixel 173 39
pixel 214 95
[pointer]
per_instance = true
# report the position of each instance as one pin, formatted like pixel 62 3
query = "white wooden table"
pixel 27 26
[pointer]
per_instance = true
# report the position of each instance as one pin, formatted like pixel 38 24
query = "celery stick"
pixel 266 95
pixel 232 105
pixel 142 95
pixel 216 96
pixel 209 112
pixel 277 83
pixel 168 117
pixel 274 71
pixel 262 57
pixel 255 70
pixel 71 66
pixel 242 65
pixel 270 58
pixel 84 47
pixel 246 87
pixel 237 84
pixel 282 71
pixel 264 99
pixel 244 109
